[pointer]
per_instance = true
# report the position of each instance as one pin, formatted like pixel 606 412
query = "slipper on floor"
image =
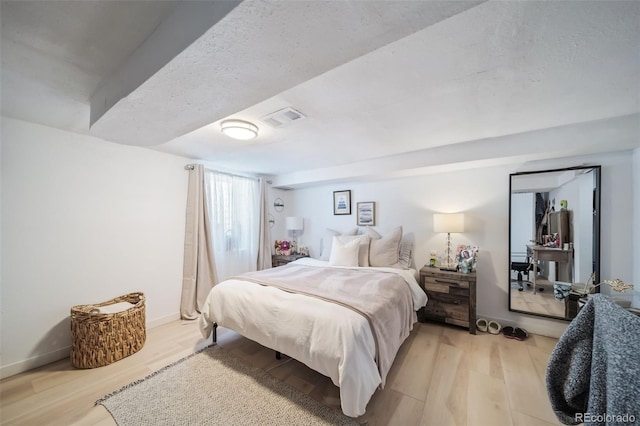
pixel 520 334
pixel 509 332
pixel 494 327
pixel 515 333
pixel 481 324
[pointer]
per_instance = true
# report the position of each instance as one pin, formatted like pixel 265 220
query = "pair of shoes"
pixel 494 327
pixel 515 333
pixel 481 325
pixel 490 326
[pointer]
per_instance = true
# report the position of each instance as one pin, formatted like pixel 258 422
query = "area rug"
pixel 212 387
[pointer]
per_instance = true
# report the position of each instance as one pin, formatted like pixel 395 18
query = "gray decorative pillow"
pixel 404 255
pixel 383 250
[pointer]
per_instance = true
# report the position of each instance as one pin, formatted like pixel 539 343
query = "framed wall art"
pixel 367 213
pixel 342 202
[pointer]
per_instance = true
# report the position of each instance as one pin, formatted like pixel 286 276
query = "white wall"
pixel 523 226
pixel 579 196
pixel 83 221
pixel 483 195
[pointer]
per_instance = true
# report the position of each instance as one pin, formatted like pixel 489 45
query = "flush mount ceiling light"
pixel 238 129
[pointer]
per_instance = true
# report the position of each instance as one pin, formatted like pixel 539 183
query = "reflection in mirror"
pixel 554 239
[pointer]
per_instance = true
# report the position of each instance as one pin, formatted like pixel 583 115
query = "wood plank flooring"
pixel 442 376
pixel 542 302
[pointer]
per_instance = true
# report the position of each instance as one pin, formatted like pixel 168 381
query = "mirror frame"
pixel 596 229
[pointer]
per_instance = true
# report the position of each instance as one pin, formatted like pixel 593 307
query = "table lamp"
pixel 295 224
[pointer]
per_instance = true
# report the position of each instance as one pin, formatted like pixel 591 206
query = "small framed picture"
pixel 367 213
pixel 342 202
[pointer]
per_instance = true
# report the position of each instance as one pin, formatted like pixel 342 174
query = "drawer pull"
pixel 445 281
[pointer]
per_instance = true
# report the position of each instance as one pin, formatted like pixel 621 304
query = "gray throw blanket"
pixel 593 376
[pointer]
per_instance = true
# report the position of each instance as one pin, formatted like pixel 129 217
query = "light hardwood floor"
pixel 542 302
pixel 442 376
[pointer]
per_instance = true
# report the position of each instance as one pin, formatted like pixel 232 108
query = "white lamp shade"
pixel 295 224
pixel 448 222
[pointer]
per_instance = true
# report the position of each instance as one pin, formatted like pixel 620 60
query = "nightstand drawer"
pixel 447 306
pixel 453 289
pixel 436 282
pixel 281 259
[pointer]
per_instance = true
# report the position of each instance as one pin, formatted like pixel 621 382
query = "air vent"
pixel 283 117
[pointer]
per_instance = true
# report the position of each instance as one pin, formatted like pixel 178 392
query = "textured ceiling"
pixel 415 84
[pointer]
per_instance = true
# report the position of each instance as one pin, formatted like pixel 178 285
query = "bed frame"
pixel 215 338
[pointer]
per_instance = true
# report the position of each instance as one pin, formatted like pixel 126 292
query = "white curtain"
pixel 234 208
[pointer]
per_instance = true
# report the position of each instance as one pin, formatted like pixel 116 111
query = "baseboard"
pixel 58 354
pixel 539 326
pixel 34 362
pixel 163 320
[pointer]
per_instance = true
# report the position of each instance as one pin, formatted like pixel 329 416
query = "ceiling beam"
pixel 607 135
pixel 182 27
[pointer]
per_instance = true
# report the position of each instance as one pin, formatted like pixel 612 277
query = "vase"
pixel 286 252
pixel 466 266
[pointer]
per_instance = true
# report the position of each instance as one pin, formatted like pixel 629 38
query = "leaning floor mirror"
pixel 554 240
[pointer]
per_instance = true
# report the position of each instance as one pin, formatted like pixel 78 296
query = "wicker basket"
pixel 99 339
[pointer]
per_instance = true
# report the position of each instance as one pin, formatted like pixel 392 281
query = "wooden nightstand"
pixel 281 259
pixel 452 297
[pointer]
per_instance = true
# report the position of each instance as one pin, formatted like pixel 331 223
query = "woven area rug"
pixel 213 387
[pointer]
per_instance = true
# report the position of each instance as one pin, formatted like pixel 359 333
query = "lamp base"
pixel 449 264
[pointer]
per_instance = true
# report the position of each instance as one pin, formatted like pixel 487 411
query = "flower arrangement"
pixel 282 247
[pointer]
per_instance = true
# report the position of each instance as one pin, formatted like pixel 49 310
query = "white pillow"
pixel 363 252
pixel 326 242
pixel 383 250
pixel 344 253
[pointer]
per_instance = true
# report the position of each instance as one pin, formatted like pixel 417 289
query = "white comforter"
pixel 329 338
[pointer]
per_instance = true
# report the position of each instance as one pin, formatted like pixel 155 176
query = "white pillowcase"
pixel 344 253
pixel 363 252
pixel 383 251
pixel 327 239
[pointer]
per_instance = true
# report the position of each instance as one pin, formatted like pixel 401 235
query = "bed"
pixel 350 329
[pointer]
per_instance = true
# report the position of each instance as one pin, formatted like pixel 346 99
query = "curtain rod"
pixel 193 166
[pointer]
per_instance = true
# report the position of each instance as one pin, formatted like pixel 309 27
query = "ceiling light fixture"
pixel 238 129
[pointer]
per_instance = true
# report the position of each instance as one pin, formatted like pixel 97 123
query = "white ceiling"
pixel 387 87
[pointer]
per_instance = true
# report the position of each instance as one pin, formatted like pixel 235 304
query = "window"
pixel 234 216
